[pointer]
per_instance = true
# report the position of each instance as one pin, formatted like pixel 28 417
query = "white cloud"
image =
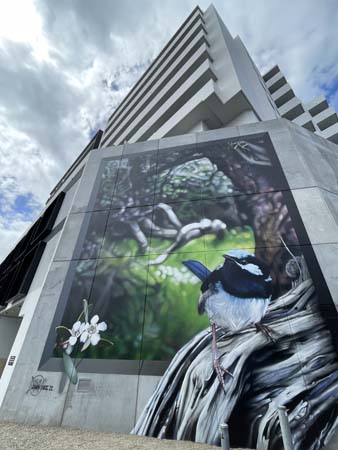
pixel 21 22
pixel 64 67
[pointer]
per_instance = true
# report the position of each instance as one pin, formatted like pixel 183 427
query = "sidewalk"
pixel 24 437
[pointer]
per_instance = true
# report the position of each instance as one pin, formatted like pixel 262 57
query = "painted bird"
pixel 235 296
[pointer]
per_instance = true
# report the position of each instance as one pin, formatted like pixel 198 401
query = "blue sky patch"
pixel 331 90
pixel 24 207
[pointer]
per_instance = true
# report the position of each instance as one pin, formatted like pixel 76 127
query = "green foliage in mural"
pixel 158 301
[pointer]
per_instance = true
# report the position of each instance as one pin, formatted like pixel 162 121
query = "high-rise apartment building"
pixel 209 199
pixel 205 79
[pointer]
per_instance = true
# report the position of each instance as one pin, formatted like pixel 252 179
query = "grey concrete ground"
pixel 26 437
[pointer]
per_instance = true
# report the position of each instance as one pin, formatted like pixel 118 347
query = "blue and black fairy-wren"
pixel 235 295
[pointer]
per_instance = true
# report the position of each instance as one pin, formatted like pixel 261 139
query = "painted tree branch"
pixel 299 371
pixel 190 232
pixel 249 168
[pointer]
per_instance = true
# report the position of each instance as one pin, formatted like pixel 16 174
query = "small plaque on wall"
pixel 84 385
pixel 11 360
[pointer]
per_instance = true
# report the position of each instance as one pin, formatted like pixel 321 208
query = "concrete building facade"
pixel 203 156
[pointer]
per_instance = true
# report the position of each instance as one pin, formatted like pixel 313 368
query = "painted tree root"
pixel 299 370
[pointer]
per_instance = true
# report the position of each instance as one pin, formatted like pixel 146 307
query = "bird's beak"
pixel 225 256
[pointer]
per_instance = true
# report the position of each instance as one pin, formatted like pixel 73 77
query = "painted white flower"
pixel 91 332
pixel 76 332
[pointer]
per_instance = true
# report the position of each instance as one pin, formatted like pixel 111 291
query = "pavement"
pixel 25 437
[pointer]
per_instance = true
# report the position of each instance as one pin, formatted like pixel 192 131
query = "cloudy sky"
pixel 66 64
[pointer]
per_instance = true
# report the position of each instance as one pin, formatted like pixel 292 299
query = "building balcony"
pixel 305 120
pixel 283 95
pixel 153 121
pixel 271 73
pixel 317 105
pixel 187 62
pixel 169 54
pixel 276 82
pixel 291 109
pixel 326 118
pixel 331 133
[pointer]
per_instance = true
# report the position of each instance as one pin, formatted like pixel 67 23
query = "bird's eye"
pixel 244 261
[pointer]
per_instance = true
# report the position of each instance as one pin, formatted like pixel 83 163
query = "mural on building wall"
pixel 196 260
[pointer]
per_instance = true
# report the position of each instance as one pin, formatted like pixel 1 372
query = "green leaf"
pixel 69 368
pixel 85 345
pixel 89 307
pixel 85 310
pixel 106 340
pixel 69 349
pixel 62 382
pixel 61 327
pixel 80 317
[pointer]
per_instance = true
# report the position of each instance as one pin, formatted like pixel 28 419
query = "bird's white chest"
pixel 234 313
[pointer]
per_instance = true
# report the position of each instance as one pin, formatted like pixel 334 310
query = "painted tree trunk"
pixel 299 370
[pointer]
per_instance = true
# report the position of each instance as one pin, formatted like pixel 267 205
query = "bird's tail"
pixel 197 269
